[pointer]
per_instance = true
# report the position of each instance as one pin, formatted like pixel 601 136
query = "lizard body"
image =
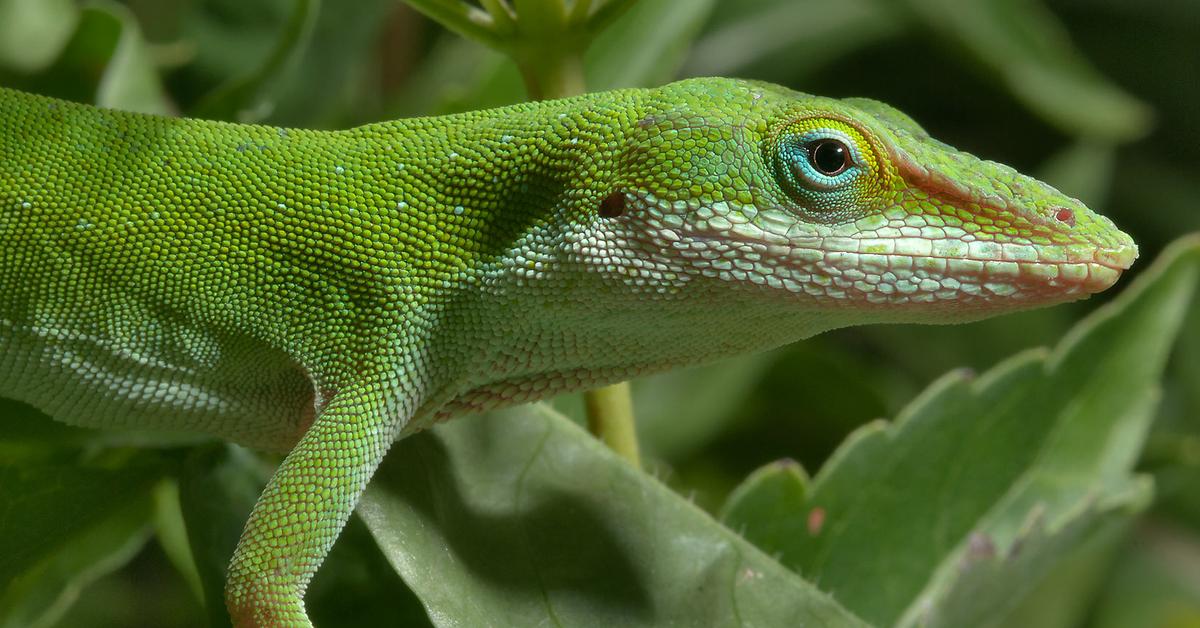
pixel 326 292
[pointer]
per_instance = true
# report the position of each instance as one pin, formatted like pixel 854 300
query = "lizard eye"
pixel 827 169
pixel 829 157
pixel 821 160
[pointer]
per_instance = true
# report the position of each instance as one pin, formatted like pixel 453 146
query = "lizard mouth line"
pixel 1099 259
pixel 902 277
pixel 917 270
pixel 781 243
pixel 1113 258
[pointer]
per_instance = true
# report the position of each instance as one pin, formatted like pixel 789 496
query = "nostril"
pixel 1065 215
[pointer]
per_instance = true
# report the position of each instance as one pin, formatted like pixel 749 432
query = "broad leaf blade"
pixel 645 46
pixel 1041 432
pixel 784 39
pixel 1023 44
pixel 218 486
pixel 766 498
pixel 65 524
pixel 33 32
pixel 130 80
pixel 986 587
pixel 519 518
pixel 105 61
pixel 41 594
pixel 248 97
pixel 1158 583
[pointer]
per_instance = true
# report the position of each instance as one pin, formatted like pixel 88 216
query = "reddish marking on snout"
pixel 1065 215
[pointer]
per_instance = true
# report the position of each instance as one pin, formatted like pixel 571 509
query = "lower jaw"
pixel 1035 285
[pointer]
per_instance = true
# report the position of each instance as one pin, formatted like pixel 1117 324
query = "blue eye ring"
pixel 810 159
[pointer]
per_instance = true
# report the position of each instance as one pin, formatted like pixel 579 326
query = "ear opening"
pixel 613 205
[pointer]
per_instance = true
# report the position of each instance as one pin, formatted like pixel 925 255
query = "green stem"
pixel 610 418
pixel 552 75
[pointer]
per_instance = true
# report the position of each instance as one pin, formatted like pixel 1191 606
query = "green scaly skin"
pixel 325 293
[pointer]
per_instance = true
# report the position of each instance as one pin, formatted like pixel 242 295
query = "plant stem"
pixel 550 76
pixel 610 418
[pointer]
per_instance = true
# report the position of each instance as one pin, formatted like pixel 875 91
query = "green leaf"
pixel 764 499
pixel 33 32
pixel 519 518
pixel 42 593
pixel 988 585
pixel 172 534
pixel 218 486
pixel 339 67
pixel 1083 170
pixel 130 79
pixel 357 586
pixel 458 75
pixel 1158 582
pixel 680 411
pixel 47 505
pixel 1025 46
pixel 105 61
pixel 469 21
pixel 63 527
pixel 1065 596
pixel 784 39
pixel 646 45
pixel 1021 458
pixel 248 97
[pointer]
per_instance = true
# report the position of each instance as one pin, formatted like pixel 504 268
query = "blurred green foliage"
pixel 1099 98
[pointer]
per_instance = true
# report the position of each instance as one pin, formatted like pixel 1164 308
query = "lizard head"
pixel 724 216
pixel 848 204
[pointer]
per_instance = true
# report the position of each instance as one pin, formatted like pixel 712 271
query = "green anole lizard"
pixel 326 293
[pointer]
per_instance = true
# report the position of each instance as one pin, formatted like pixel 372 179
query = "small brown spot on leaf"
pixel 816 520
pixel 980 546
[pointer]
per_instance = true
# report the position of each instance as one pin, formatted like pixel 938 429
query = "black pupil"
pixel 829 157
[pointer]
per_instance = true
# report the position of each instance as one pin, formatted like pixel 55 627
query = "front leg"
pixel 306 503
